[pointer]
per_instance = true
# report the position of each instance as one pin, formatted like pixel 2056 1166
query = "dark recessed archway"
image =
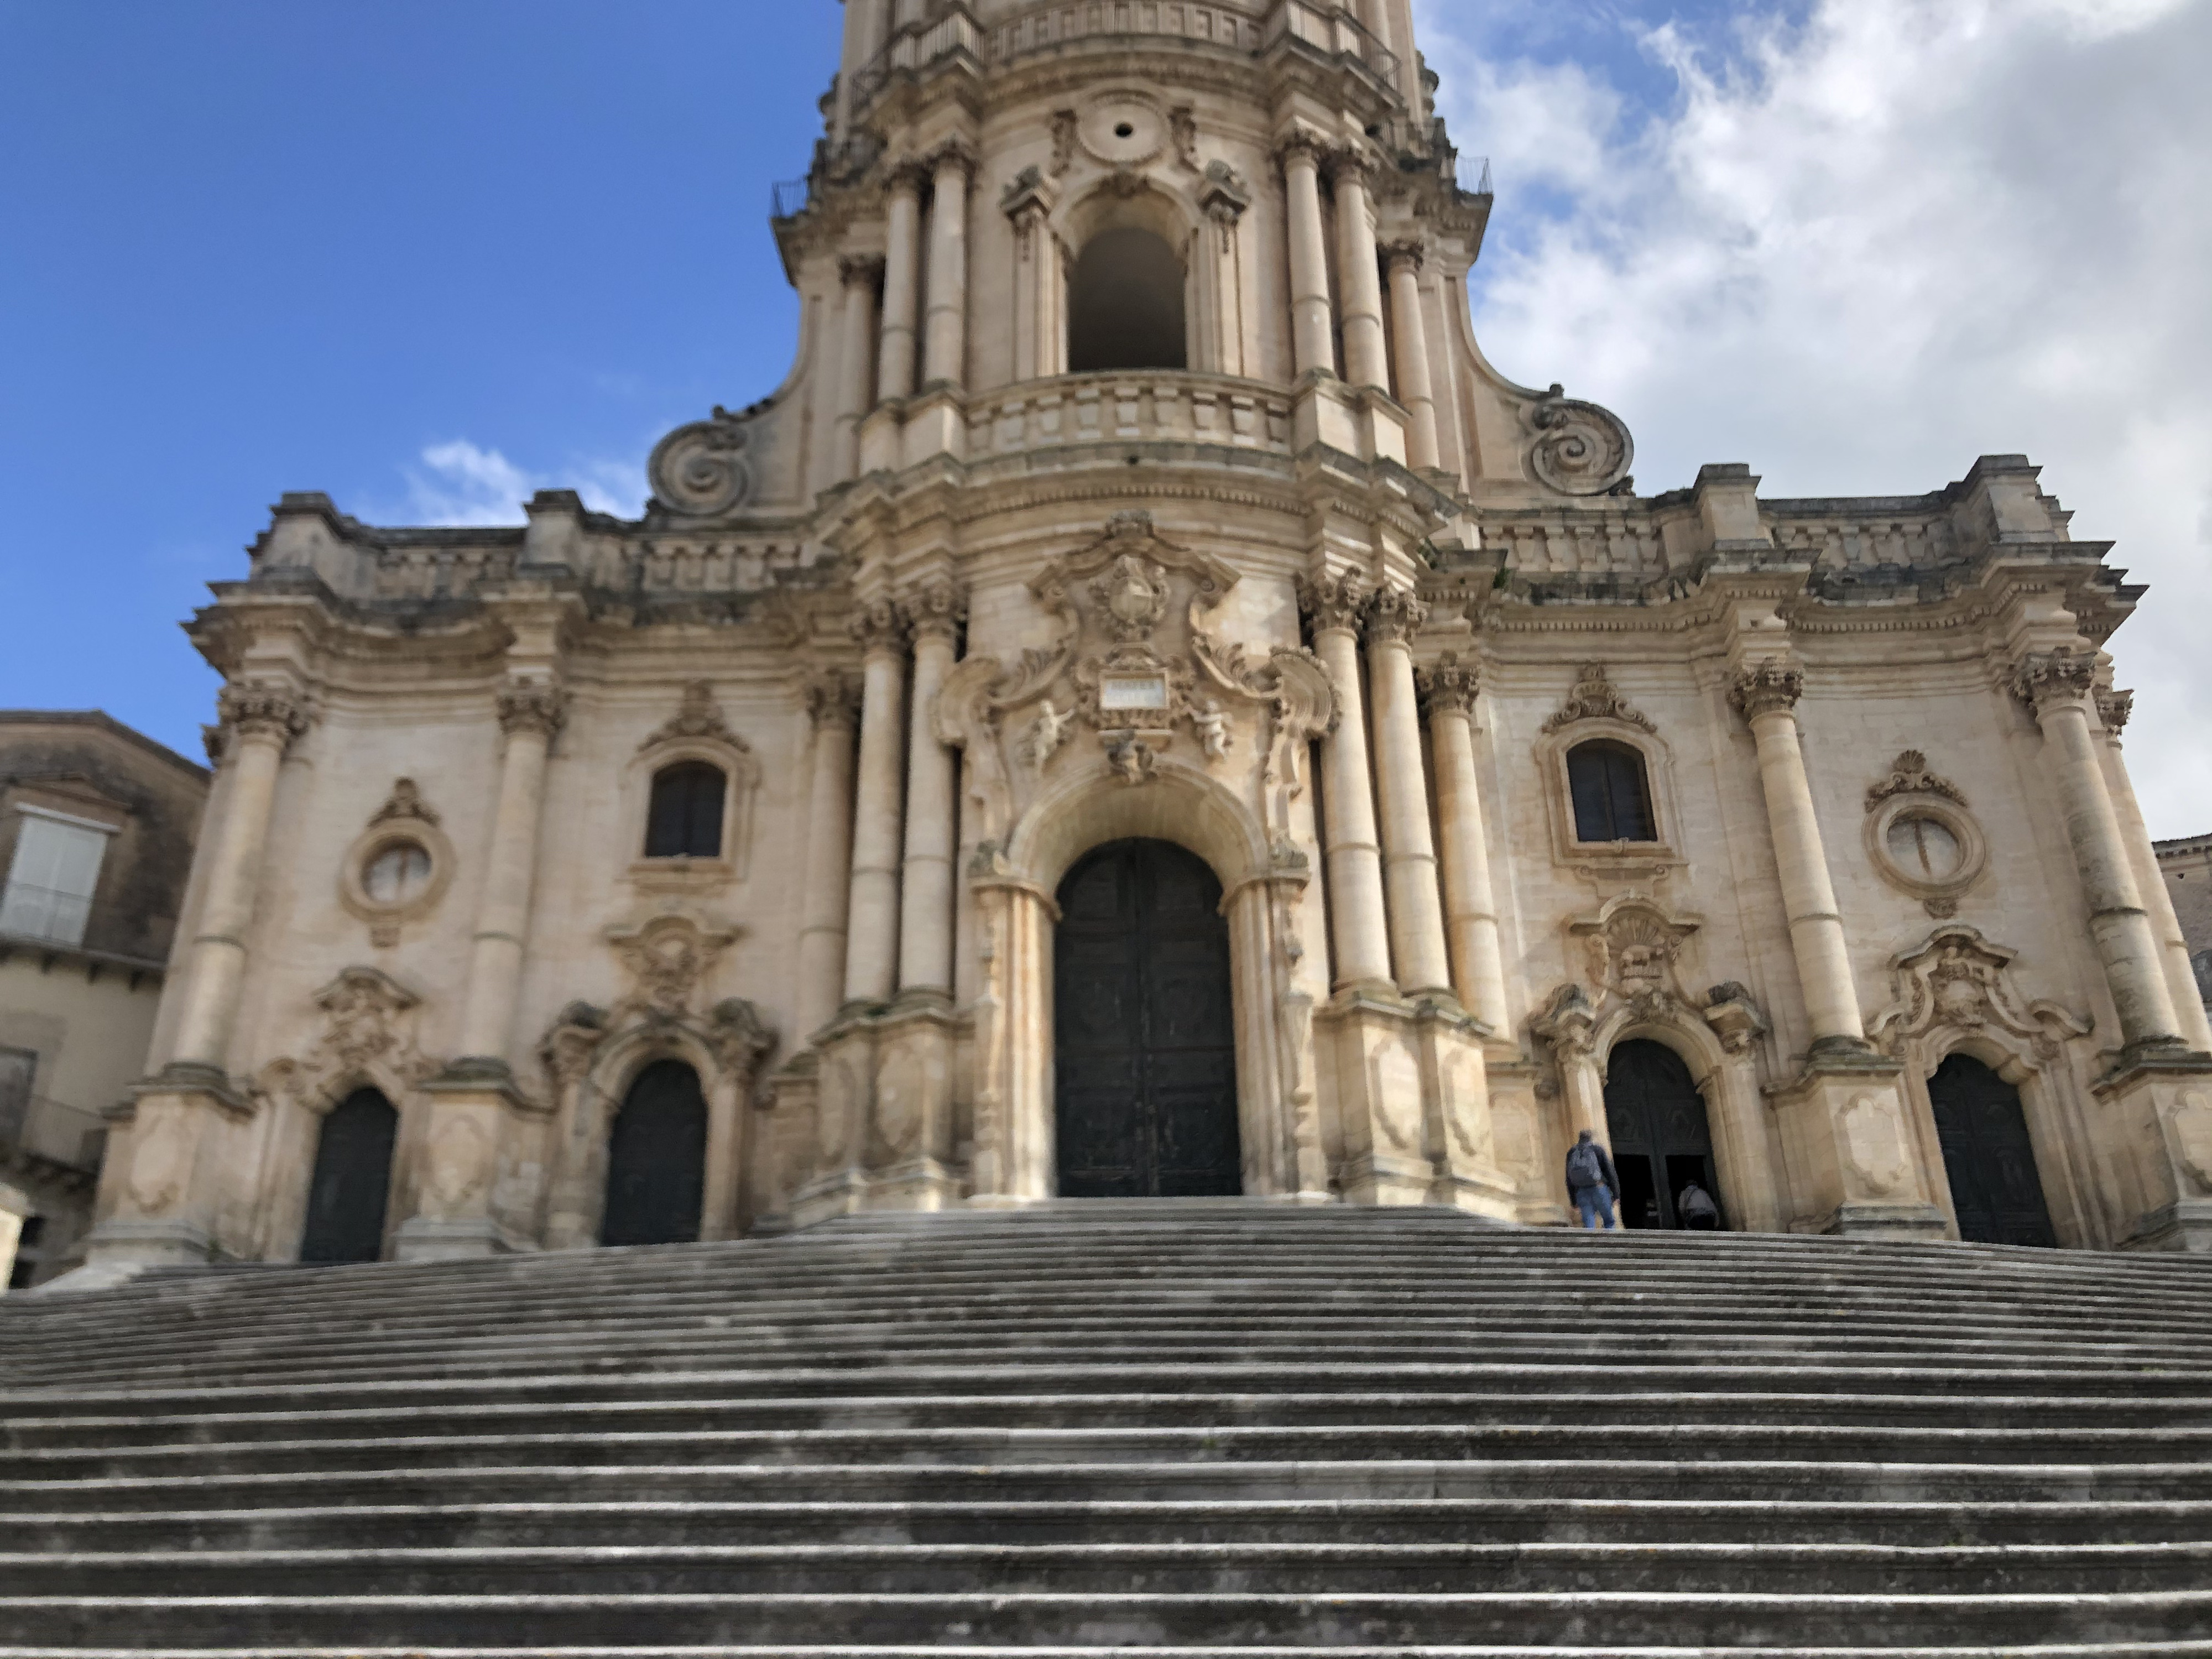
pixel 657 1159
pixel 352 1182
pixel 1125 304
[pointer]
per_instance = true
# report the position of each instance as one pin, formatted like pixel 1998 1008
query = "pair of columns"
pixel 879 883
pixel 937 344
pixel 1387 912
pixel 1360 309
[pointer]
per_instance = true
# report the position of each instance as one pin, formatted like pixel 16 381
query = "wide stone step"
pixel 1191 1569
pixel 1403 1479
pixel 1027 1619
pixel 1194 1444
pixel 1542 1519
pixel 1655 1408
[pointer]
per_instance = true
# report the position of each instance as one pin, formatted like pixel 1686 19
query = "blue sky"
pixel 428 255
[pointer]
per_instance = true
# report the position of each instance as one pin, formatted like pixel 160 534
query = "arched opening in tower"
pixel 1125 304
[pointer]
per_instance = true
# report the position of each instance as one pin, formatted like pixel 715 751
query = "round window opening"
pixel 398 874
pixel 1926 848
pixel 1125 129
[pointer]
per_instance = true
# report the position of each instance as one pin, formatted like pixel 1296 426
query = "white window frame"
pixel 44 916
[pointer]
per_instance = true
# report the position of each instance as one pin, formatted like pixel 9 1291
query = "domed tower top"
pixel 1250 203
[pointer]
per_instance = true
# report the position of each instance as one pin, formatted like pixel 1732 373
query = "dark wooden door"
pixel 657 1159
pixel 1661 1139
pixel 352 1183
pixel 1995 1188
pixel 1144 1056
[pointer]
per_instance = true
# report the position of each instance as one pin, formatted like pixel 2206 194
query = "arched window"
pixel 1612 793
pixel 1125 304
pixel 685 821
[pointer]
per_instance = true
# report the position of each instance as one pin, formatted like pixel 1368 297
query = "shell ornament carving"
pixel 1580 449
pixel 700 468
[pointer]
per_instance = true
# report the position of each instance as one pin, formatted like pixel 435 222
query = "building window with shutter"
pixel 53 876
pixel 1611 793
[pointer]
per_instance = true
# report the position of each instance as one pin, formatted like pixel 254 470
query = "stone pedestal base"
pixel 471 1103
pixel 1368 424
pixel 2159 1107
pixel 163 1186
pixel 141 1244
pixel 420 1238
pixel 1850 1151
pixel 884 1089
pixel 1413 1100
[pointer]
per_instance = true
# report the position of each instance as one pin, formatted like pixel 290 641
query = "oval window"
pixel 1925 848
pixel 398 874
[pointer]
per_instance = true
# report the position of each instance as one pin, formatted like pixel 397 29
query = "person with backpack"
pixel 1591 1181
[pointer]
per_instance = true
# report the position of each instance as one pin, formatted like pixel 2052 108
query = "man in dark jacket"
pixel 1591 1181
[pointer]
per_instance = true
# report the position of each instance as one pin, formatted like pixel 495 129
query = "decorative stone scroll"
pixel 700 468
pixel 1578 448
pixel 668 958
pixel 1909 775
pixel 367 1039
pixel 1594 698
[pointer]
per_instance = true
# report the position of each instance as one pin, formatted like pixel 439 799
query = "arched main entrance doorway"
pixel 352 1182
pixel 1995 1188
pixel 1144 1046
pixel 1660 1139
pixel 657 1159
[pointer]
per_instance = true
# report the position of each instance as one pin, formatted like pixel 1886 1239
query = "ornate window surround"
pixel 697 733
pixel 1594 711
pixel 404 819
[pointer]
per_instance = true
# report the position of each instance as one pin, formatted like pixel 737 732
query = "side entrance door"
pixel 1145 1059
pixel 352 1182
pixel 1995 1186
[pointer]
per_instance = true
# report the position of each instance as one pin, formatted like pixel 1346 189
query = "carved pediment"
pixel 1960 982
pixel 1633 948
pixel 1594 698
pixel 668 958
pixel 368 1038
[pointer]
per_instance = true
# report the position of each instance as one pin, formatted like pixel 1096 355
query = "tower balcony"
pixel 1057 420
pixel 955 35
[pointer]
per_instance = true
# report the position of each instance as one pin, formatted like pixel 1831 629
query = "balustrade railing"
pixel 1043 27
pixel 1334 30
pixel 1133 407
pixel 53 1133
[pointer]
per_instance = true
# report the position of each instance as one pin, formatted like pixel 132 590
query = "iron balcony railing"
pixel 53 1131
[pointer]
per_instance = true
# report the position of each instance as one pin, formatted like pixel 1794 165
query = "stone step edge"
pixel 2183 1649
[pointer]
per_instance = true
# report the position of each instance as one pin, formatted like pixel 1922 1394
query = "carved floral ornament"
pixel 1959 984
pixel 1633 951
pixel 1134 662
pixel 668 959
pixel 1448 685
pixel 2048 678
pixel 540 706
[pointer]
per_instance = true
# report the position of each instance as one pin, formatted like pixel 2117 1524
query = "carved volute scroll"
pixel 1958 984
pixel 700 469
pixel 368 1037
pixel 1578 448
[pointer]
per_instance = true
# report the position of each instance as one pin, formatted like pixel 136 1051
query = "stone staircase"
pixel 1181 1427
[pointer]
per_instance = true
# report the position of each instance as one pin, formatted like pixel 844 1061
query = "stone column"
pixel 1410 324
pixel 873 918
pixel 530 712
pixel 1470 907
pixel 1313 350
pixel 1409 856
pixel 2113 709
pixel 933 615
pixel 1358 273
pixel 1027 204
pixel 1358 928
pixel 894 367
pixel 258 722
pixel 2057 685
pixel 947 355
pixel 1766 695
pixel 857 359
pixel 828 872
pixel 1222 199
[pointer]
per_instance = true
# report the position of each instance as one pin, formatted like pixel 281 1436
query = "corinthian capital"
pixel 877 626
pixel 2046 679
pixel 832 700
pixel 1772 687
pixel 1411 254
pixel 538 706
pixel 1334 602
pixel 1395 615
pixel 1351 165
pixel 953 153
pixel 2113 707
pixel 1301 143
pixel 258 709
pixel 935 610
pixel 859 267
pixel 1451 686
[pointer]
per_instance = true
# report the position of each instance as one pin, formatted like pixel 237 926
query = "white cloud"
pixel 460 483
pixel 1861 245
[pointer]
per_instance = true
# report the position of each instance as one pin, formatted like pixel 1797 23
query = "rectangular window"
pixel 51 881
pixel 18 1067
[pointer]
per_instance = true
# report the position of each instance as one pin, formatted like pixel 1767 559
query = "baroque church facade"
pixel 1147 709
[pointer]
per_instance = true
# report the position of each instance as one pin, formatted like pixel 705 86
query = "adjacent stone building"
pixel 96 828
pixel 1147 708
pixel 2186 865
